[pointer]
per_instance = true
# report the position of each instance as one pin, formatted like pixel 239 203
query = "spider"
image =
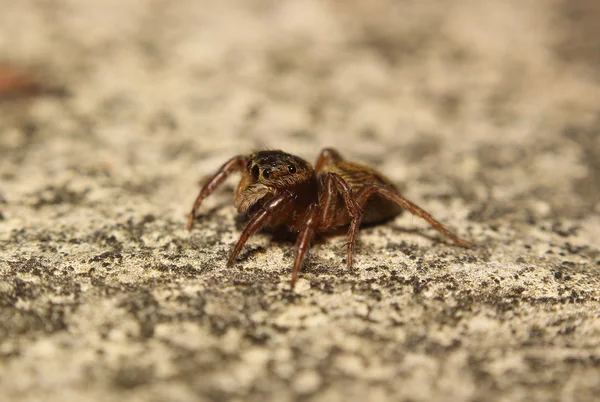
pixel 279 189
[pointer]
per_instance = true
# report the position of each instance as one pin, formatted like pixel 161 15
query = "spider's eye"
pixel 249 165
pixel 266 173
pixel 292 168
pixel 255 172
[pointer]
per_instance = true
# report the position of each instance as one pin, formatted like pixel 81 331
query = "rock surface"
pixel 485 113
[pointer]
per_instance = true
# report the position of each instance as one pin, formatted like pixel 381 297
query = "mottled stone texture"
pixel 486 113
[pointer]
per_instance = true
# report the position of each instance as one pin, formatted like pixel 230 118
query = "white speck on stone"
pixel 542 208
pixel 302 286
pixel 306 382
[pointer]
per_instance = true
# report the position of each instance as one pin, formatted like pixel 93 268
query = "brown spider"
pixel 279 189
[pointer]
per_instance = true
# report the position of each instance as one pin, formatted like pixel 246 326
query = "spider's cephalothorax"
pixel 279 189
pixel 268 173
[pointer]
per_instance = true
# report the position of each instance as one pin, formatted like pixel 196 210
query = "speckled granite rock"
pixel 485 113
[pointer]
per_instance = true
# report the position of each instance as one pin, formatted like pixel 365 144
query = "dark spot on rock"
pixel 110 255
pixel 144 307
pixel 588 138
pixel 303 134
pixel 162 121
pixel 580 42
pixel 129 376
pixel 53 195
pixel 418 285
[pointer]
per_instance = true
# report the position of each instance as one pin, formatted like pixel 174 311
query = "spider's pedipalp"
pixel 258 220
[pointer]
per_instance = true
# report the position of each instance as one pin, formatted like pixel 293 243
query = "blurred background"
pixel 466 89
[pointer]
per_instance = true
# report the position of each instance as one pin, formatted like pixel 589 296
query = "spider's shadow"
pixel 419 232
pixel 282 236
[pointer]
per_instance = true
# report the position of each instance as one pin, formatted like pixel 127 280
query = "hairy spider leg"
pixel 335 184
pixel 327 201
pixel 260 219
pixel 326 157
pixel 363 193
pixel 305 236
pixel 235 164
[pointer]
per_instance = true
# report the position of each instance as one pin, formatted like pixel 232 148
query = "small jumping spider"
pixel 279 189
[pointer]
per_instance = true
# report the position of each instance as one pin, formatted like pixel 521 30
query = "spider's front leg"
pixel 237 163
pixel 334 184
pixel 258 220
pixel 305 236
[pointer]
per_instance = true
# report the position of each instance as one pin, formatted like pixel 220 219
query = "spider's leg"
pixel 236 163
pixel 364 193
pixel 326 157
pixel 258 221
pixel 334 183
pixel 304 238
pixel 327 202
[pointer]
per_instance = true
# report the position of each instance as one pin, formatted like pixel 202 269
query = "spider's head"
pixel 269 172
pixel 277 169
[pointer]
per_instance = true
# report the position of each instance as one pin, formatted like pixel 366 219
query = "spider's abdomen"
pixel 376 208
